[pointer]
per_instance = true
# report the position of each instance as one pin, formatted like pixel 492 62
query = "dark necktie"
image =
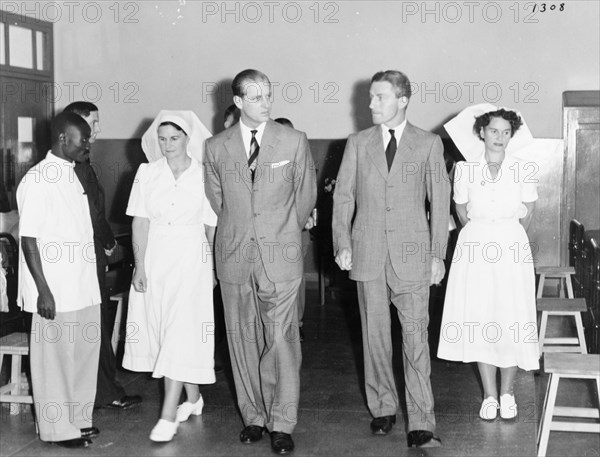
pixel 253 153
pixel 390 151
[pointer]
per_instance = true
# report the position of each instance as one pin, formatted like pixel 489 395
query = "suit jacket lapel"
pixel 404 152
pixel 268 145
pixel 376 151
pixel 235 147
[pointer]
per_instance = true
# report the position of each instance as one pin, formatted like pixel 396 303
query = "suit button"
pixel 251 239
pixel 388 208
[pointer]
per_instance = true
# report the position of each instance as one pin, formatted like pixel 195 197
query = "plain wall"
pixel 135 58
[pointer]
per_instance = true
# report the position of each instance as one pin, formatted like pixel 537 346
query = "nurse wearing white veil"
pixel 170 318
pixel 489 310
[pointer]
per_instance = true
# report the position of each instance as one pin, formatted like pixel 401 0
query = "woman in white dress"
pixel 170 322
pixel 489 310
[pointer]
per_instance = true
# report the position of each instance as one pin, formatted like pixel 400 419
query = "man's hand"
pixel 110 251
pixel 344 259
pixel 139 280
pixel 438 270
pixel 46 306
pixel 310 223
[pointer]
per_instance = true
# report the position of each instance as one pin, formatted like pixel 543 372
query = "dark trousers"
pixel 108 389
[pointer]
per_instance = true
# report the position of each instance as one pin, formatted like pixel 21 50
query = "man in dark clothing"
pixel 109 392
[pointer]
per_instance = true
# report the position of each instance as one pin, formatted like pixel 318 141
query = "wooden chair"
pixel 577 254
pixel 591 292
pixel 118 279
pixel 571 307
pixel 120 298
pixel 560 366
pixel 16 391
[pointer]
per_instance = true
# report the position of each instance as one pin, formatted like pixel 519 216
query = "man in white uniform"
pixel 58 284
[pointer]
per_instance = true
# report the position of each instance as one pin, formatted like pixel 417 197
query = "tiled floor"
pixel 333 417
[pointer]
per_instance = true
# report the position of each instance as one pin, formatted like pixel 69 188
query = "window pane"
pixel 2 44
pixel 25 126
pixel 39 47
pixel 20 47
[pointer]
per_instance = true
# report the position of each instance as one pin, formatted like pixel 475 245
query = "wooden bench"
pixel 560 273
pixel 577 366
pixel 17 390
pixel 572 307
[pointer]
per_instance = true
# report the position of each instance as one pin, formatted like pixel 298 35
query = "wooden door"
pixel 581 182
pixel 27 96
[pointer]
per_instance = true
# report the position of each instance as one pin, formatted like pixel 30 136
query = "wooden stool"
pixel 15 345
pixel 559 366
pixel 556 272
pixel 562 307
pixel 116 334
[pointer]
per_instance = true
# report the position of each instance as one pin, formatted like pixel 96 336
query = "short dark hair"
pixel 174 125
pixel 397 79
pixel 62 121
pixel 82 108
pixel 284 121
pixel 231 110
pixel 238 83
pixel 484 120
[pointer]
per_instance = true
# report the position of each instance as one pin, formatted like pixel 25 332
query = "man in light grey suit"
pixel 393 249
pixel 260 181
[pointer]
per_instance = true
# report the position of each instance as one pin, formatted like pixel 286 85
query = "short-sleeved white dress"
pixel 170 327
pixel 489 310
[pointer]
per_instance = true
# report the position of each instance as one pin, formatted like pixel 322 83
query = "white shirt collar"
pixel 398 131
pixel 54 158
pixel 247 134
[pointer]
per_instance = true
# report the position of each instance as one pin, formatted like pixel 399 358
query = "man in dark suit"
pixel 260 181
pixel 393 249
pixel 109 392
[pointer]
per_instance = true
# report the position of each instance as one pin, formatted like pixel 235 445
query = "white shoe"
pixel 186 409
pixel 489 409
pixel 164 431
pixel 508 406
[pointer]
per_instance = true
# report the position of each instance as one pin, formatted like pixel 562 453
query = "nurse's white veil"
pixel 191 125
pixel 460 129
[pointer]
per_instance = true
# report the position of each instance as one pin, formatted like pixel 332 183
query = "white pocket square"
pixel 280 164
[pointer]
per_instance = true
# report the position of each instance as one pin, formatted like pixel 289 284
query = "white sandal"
pixel 186 409
pixel 164 431
pixel 489 409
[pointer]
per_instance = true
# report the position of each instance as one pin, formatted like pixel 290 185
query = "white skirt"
pixel 170 327
pixel 489 310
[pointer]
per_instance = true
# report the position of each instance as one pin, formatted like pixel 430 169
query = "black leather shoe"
pixel 125 402
pixel 382 425
pixel 281 443
pixel 90 432
pixel 73 444
pixel 423 438
pixel 251 434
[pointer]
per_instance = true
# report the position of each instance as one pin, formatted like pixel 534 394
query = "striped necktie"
pixel 253 153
